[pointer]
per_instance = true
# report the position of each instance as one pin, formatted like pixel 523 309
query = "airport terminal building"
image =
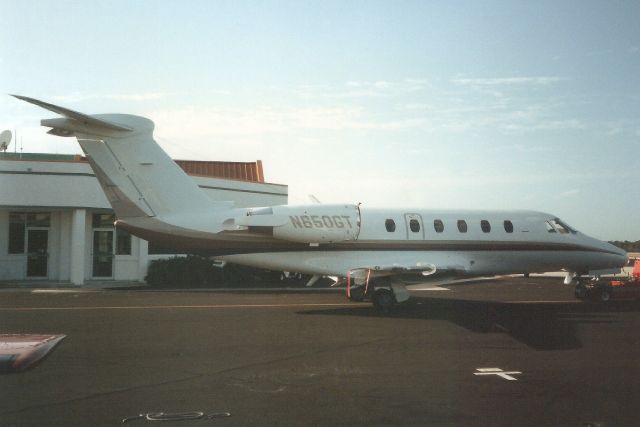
pixel 57 225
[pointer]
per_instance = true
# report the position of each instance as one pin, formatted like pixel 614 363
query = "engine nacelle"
pixel 318 223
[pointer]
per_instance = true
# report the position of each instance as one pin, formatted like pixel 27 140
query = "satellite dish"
pixel 5 140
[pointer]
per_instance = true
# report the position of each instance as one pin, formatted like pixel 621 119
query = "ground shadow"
pixel 540 325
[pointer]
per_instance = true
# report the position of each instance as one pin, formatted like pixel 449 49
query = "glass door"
pixel 37 255
pixel 103 253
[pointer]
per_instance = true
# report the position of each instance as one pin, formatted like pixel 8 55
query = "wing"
pixel 399 276
pixel 419 272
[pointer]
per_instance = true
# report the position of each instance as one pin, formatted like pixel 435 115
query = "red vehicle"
pixel 614 290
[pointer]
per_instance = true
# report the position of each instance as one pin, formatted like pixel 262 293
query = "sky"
pixel 433 104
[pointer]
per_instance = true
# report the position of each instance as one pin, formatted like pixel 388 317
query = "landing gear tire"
pixel 605 295
pixel 581 291
pixel 383 300
pixel 357 293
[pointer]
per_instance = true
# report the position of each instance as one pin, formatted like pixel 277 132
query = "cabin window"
pixel 462 226
pixel 438 225
pixel 486 227
pixel 508 226
pixel 414 225
pixel 390 225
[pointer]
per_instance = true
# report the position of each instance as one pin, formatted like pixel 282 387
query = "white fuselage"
pixel 388 238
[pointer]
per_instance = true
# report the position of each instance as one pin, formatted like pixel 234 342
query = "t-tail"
pixel 145 187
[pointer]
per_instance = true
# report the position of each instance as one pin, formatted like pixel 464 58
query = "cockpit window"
pixel 550 227
pixel 558 226
pixel 390 225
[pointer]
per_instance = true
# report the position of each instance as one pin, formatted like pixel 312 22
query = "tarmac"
pixel 502 352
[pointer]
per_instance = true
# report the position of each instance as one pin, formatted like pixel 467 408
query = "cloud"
pixel 136 96
pixel 363 89
pixel 508 81
pixel 76 97
pixel 267 120
pixel 569 193
pixel 72 97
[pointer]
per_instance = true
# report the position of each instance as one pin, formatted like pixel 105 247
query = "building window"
pixel 103 220
pixel 390 225
pixel 438 225
pixel 508 226
pixel 40 219
pixel 17 226
pixel 123 238
pixel 462 226
pixel 486 227
pixel 123 242
pixel 414 225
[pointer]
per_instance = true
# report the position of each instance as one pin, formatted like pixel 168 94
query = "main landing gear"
pixel 382 292
pixel 383 298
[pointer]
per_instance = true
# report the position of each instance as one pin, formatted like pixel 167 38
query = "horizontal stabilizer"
pixel 138 177
pixel 74 115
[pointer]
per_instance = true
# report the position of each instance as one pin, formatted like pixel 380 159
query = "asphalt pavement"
pixel 504 352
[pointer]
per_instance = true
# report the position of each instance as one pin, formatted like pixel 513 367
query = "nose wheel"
pixel 581 290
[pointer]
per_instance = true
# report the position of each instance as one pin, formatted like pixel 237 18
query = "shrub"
pixel 195 271
pixel 189 271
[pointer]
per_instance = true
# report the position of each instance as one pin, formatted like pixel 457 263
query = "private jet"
pixel 379 251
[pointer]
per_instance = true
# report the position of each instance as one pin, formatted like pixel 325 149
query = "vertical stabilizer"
pixel 138 177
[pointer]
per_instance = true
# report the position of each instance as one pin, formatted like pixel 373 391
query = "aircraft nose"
pixel 622 254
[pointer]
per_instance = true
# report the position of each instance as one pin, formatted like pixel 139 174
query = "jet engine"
pixel 305 224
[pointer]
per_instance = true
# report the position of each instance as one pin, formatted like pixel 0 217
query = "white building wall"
pixel 11 266
pixel 126 266
pixel 65 258
pixel 77 220
pixel 71 193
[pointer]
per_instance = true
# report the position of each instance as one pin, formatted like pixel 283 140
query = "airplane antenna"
pixel 314 199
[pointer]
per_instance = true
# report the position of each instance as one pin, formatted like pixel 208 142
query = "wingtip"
pixel 20 97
